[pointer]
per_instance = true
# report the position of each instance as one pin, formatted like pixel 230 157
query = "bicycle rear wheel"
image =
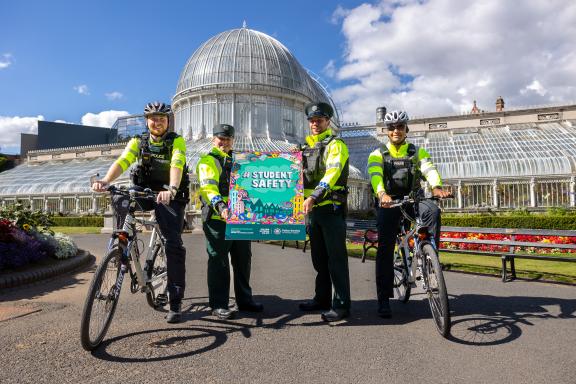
pixel 401 285
pixel 101 301
pixel 157 273
pixel 436 289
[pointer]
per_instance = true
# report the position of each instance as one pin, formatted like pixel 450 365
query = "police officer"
pixel 325 168
pixel 214 176
pixel 395 171
pixel 161 157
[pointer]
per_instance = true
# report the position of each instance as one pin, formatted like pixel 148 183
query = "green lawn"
pixel 76 230
pixel 529 269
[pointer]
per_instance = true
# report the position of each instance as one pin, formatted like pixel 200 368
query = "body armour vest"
pixel 224 181
pixel 153 169
pixel 314 166
pixel 400 176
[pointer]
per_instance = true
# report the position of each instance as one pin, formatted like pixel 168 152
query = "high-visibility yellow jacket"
pixel 132 151
pixel 335 161
pixel 212 179
pixel 422 164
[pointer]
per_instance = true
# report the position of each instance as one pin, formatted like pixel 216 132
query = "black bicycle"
pixel 123 257
pixel 416 261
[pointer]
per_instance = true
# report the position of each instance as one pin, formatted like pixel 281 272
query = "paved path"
pixel 517 332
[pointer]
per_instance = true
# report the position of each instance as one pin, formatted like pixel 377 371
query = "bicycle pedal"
pixel 161 300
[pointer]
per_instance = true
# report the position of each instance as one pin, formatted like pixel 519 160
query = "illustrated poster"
pixel 266 197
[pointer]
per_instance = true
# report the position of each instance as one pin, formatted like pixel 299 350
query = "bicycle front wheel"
pixel 101 301
pixel 401 285
pixel 435 288
pixel 157 273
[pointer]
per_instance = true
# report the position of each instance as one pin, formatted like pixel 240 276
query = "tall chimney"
pixel 380 113
pixel 499 104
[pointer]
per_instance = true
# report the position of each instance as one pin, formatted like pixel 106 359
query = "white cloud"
pixel 82 89
pixel 103 119
pixel 330 69
pixel 436 57
pixel 12 126
pixel 114 95
pixel 535 87
pixel 5 60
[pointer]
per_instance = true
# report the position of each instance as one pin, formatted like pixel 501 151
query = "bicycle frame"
pixel 404 237
pixel 127 241
pixel 123 257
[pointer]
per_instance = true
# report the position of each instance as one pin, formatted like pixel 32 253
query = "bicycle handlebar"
pixel 146 194
pixel 410 200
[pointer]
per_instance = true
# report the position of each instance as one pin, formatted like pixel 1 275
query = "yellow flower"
pixel 26 227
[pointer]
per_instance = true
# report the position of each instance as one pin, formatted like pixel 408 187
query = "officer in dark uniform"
pixel 161 157
pixel 396 169
pixel 325 168
pixel 214 176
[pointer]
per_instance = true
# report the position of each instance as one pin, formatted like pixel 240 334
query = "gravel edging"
pixel 45 272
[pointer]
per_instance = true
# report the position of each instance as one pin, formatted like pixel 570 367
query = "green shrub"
pixel 84 221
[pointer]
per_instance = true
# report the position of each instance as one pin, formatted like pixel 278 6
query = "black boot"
pixel 335 314
pixel 175 313
pixel 384 309
pixel 313 305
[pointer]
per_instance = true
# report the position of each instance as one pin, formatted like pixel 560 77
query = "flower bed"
pixel 505 248
pixel 357 237
pixel 25 237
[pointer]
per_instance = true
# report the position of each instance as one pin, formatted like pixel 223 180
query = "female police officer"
pixel 214 176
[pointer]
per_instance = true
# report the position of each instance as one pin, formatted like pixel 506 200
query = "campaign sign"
pixel 266 197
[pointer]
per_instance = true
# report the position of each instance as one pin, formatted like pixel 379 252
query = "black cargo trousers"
pixel 171 227
pixel 388 220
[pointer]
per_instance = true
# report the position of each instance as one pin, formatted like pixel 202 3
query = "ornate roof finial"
pixel 244 24
pixel 475 109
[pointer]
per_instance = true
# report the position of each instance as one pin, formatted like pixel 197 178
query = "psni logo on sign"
pixel 277 231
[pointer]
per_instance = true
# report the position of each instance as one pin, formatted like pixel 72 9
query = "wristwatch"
pixel 173 190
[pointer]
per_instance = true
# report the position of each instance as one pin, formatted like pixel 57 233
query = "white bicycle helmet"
pixel 396 117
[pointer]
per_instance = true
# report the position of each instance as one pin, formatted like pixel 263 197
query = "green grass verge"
pixel 76 230
pixel 486 265
pixel 527 269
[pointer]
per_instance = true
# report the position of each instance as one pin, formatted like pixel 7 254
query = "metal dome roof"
pixel 245 59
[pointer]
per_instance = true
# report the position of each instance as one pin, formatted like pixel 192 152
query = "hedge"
pixel 85 221
pixel 530 222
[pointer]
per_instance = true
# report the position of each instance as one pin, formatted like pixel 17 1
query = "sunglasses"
pixel 400 127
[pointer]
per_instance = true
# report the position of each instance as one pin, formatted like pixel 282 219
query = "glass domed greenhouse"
pixel 240 77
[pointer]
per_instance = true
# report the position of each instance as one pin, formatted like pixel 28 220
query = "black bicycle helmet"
pixel 157 108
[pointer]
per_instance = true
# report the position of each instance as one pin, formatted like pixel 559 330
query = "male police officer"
pixel 325 164
pixel 161 157
pixel 395 171
pixel 214 175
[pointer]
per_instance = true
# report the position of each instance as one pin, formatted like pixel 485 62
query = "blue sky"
pixel 88 61
pixel 136 48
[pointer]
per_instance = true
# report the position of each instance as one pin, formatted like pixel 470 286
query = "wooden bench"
pixel 508 257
